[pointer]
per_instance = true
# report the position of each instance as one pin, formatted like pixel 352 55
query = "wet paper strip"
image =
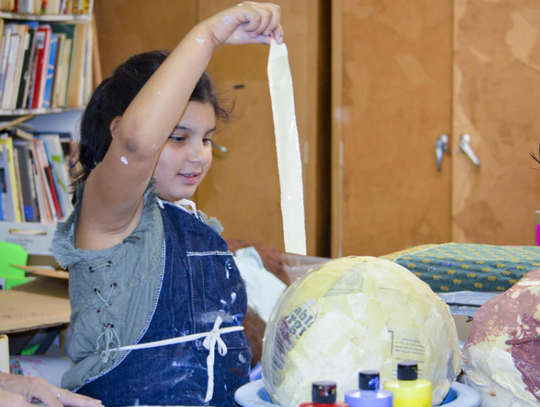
pixel 288 149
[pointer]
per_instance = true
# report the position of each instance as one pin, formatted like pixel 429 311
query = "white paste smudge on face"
pixel 124 160
pixel 159 92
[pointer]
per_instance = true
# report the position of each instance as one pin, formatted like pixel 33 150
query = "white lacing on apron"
pixel 211 339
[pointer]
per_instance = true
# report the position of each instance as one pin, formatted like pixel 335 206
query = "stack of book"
pixel 61 7
pixel 34 177
pixel 45 66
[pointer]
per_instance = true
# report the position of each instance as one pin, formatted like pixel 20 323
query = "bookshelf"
pixel 49 64
pixel 45 17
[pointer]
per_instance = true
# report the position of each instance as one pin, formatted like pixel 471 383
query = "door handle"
pixel 440 147
pixel 465 146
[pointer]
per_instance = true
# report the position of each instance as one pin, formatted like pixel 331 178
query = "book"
pixel 10 69
pixel 22 29
pixel 76 73
pixel 65 61
pixel 42 183
pixel 52 7
pixel 18 182
pixel 50 71
pixel 43 45
pixel 59 69
pixel 26 6
pixel 53 182
pixel 6 40
pixel 7 5
pixel 44 215
pixel 55 154
pixel 6 188
pixel 11 196
pixel 33 69
pixel 27 67
pixel 44 4
pixel 88 67
pixel 37 6
pixel 29 197
pixel 49 180
pixel 64 77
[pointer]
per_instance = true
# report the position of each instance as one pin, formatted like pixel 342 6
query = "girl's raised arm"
pixel 112 202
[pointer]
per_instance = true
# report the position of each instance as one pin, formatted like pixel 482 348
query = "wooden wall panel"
pixel 127 27
pixel 393 101
pixel 496 100
pixel 242 190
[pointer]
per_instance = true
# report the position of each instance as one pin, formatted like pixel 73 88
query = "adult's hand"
pixel 20 391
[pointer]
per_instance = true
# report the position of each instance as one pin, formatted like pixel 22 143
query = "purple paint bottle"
pixel 369 394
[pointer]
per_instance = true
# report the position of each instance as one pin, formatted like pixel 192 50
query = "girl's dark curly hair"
pixel 113 96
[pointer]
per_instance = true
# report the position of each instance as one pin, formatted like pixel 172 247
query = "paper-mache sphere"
pixel 352 314
pixel 501 357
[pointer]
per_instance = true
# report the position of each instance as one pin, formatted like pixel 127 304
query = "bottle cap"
pixel 407 370
pixel 323 392
pixel 368 380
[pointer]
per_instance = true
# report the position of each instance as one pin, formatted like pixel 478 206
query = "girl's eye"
pixel 177 138
pixel 207 140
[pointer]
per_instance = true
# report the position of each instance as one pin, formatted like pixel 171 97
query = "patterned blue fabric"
pixel 200 282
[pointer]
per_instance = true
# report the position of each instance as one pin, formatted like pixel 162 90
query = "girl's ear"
pixel 115 122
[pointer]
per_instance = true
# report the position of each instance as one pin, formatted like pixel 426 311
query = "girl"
pixel 143 269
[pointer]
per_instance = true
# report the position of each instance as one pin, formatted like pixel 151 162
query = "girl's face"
pixel 187 154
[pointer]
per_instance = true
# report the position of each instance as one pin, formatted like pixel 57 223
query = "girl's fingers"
pixel 275 17
pixel 264 21
pixel 279 34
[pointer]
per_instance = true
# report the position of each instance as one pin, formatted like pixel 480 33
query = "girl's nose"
pixel 198 154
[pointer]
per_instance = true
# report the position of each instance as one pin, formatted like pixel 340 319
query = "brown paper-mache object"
pixel 510 322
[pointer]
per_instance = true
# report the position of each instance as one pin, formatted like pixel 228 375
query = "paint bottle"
pixel 323 394
pixel 369 394
pixel 408 389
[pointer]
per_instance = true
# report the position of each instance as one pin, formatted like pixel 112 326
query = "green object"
pixel 11 253
pixel 31 350
pixel 7 283
pixel 469 266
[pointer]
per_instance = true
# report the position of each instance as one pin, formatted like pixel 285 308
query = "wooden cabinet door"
pixel 391 95
pixel 397 86
pixel 242 188
pixel 496 101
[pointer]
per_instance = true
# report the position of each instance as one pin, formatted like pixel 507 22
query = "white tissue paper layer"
pixel 263 288
pixel 288 149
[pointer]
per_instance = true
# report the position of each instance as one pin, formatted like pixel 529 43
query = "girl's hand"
pixel 247 23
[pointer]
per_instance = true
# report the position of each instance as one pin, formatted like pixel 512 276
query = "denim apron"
pixel 200 283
